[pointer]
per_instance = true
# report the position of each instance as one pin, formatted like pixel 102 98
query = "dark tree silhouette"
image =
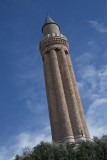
pixel 89 150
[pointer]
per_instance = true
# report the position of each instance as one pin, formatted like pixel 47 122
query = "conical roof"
pixel 48 21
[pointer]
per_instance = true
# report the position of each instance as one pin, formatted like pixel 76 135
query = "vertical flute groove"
pixel 52 105
pixel 64 116
pixel 80 108
pixel 69 94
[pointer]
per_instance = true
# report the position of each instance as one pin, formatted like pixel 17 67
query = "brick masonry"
pixel 67 119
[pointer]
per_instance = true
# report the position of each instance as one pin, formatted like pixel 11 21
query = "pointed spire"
pixel 48 21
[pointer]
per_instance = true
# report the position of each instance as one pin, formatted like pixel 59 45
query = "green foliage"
pixel 89 150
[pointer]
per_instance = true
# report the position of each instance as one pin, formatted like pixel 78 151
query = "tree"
pixel 89 150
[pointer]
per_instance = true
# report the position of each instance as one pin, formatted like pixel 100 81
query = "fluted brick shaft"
pixel 69 94
pixel 80 108
pixel 52 105
pixel 68 124
pixel 66 129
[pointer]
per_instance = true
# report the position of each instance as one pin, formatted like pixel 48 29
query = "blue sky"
pixel 24 117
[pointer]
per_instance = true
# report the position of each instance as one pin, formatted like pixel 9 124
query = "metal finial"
pixel 47 13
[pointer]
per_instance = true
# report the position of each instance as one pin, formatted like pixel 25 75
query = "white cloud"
pixel 93 88
pixel 24 139
pixel 88 76
pixel 106 6
pixel 92 44
pixel 97 118
pixel 98 27
pixel 85 58
pixel 105 54
pixel 29 81
pixel 95 78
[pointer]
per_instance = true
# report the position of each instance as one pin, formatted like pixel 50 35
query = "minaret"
pixel 68 124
